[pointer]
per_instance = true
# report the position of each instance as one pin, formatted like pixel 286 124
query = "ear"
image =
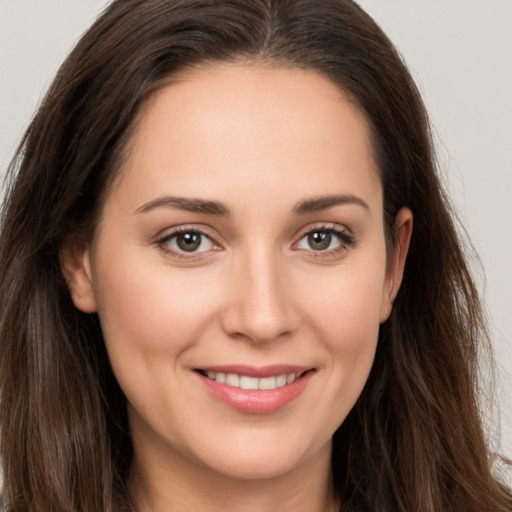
pixel 395 270
pixel 76 266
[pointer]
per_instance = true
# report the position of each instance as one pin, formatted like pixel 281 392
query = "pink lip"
pixel 251 401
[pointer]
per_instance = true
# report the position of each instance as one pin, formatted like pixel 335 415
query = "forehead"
pixel 253 126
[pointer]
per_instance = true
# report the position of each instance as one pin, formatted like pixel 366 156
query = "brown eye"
pixel 319 240
pixel 188 242
pixel 328 240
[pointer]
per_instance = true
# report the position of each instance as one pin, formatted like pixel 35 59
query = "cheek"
pixel 344 312
pixel 346 304
pixel 156 311
pixel 352 333
pixel 150 317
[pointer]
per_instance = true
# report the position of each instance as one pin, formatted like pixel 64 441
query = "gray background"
pixel 460 53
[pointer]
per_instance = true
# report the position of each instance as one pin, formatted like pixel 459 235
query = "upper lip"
pixel 257 371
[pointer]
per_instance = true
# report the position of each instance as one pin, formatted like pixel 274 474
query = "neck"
pixel 181 484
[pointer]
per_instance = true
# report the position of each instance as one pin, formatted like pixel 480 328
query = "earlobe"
pixel 76 268
pixel 395 271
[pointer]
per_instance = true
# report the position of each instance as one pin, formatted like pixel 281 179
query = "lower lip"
pixel 253 401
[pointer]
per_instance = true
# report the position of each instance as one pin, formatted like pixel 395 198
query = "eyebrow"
pixel 324 202
pixel 187 204
pixel 197 205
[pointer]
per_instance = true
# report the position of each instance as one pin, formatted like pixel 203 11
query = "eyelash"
pixel 344 238
pixel 163 244
pixel 346 241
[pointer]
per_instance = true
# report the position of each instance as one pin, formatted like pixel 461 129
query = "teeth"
pixel 246 382
pixel 232 380
pixel 281 381
pixel 267 383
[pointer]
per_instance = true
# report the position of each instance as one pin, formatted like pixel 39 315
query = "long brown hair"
pixel 414 440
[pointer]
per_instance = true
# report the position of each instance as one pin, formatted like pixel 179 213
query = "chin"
pixel 255 467
pixel 262 459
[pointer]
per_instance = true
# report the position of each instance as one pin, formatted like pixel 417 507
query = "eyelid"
pixel 167 234
pixel 325 226
pixel 346 237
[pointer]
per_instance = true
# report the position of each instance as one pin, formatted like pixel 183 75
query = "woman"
pixel 213 293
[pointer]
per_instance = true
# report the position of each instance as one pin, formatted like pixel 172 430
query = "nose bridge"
pixel 260 307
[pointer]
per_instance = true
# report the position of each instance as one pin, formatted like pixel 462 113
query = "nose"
pixel 260 307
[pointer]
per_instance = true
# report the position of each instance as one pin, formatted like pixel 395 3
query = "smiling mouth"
pixel 253 383
pixel 256 390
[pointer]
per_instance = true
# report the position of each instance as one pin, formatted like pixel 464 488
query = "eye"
pixel 186 241
pixel 325 240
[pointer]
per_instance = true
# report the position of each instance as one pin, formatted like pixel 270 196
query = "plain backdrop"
pixel 459 52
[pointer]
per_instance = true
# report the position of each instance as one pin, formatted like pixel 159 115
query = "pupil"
pixel 188 241
pixel 319 240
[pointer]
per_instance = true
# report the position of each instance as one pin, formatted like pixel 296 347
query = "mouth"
pixel 249 382
pixel 256 390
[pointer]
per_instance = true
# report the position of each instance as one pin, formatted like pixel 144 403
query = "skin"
pixel 259 140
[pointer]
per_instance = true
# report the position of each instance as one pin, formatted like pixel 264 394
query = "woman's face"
pixel 241 247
